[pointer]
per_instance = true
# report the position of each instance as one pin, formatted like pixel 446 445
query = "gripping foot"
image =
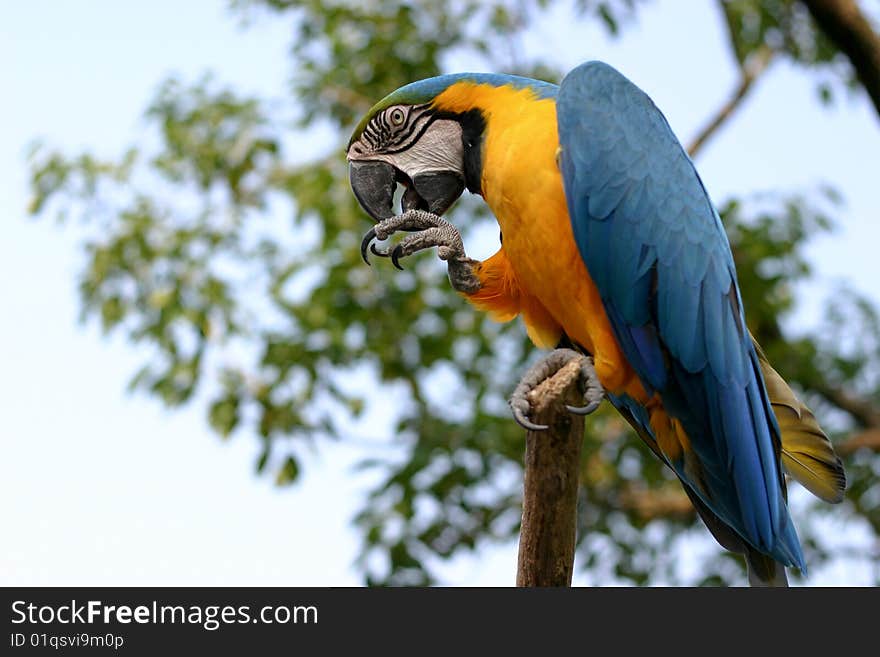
pixel 428 230
pixel 546 368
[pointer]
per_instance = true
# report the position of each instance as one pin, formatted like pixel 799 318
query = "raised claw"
pixel 427 230
pixel 369 237
pixel 395 256
pixel 381 254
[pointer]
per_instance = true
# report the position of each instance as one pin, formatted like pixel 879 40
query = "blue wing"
pixel 655 247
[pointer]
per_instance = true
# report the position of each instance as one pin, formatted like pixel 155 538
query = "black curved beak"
pixel 438 189
pixel 374 183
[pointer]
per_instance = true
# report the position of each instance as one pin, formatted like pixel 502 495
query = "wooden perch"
pixel 552 464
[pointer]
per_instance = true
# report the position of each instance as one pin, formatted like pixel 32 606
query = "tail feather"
pixel 764 570
pixel 807 453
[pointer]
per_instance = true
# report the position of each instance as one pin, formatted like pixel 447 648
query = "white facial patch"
pixel 438 149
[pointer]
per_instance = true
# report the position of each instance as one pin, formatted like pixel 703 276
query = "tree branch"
pixel 750 72
pixel 863 411
pixel 851 31
pixel 869 439
pixel 552 464
pixel 667 502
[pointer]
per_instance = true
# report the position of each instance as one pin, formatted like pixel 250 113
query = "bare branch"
pixel 869 439
pixel 851 31
pixel 755 66
pixel 648 504
pixel 552 463
pixel 862 410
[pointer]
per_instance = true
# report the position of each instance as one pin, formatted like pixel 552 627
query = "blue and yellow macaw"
pixel 611 247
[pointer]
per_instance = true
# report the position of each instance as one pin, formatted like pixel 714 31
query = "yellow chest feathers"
pixel 522 185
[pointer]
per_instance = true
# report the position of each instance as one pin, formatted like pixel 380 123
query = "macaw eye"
pixel 396 116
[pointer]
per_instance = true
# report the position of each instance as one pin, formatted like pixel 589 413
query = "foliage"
pixel 784 28
pixel 236 265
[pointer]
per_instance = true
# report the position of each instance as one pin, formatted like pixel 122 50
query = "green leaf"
pixel 288 473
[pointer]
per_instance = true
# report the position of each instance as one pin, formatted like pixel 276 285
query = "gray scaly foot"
pixel 546 368
pixel 433 230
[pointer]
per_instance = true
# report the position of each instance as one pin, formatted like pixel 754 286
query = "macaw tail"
pixel 764 571
pixel 807 456
pixel 807 453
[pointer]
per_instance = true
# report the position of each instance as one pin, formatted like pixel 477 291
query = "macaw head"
pixel 409 138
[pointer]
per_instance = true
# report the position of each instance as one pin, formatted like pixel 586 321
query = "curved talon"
pixel 543 370
pixel 520 407
pixel 381 254
pixel 395 255
pixel 525 423
pixel 583 410
pixel 369 237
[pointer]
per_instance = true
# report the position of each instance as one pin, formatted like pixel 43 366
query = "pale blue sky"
pixel 103 488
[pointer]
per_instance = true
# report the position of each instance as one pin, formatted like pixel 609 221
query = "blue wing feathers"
pixel 647 343
pixel 713 335
pixel 744 464
pixel 657 252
